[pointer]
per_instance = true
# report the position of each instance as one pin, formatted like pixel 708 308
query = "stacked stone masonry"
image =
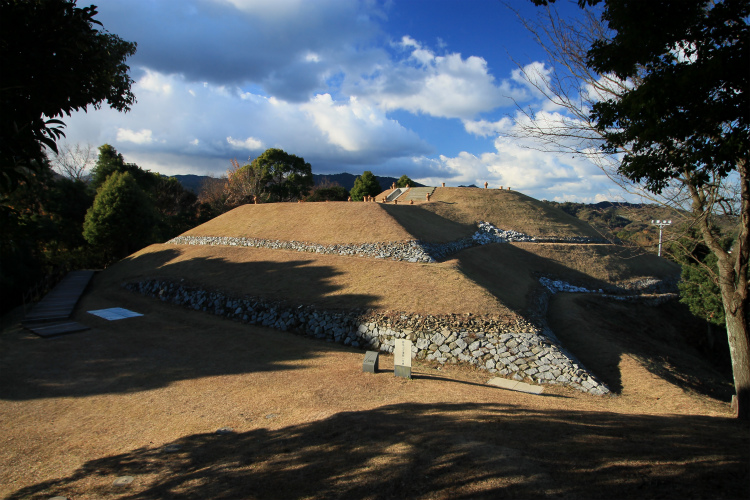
pixel 411 251
pixel 510 347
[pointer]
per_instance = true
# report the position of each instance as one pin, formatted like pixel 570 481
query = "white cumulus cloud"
pixel 251 143
pixel 143 136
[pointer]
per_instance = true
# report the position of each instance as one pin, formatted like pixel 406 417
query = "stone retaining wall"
pixel 411 251
pixel 510 346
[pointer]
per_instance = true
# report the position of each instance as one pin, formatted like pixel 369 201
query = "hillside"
pixel 475 280
pixel 181 400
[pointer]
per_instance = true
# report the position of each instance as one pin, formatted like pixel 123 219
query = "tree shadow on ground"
pixel 168 343
pixel 599 333
pixel 436 451
pixel 428 226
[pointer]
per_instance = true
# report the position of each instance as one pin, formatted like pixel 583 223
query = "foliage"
pixel 285 177
pixel 212 198
pixel 699 291
pixel 686 127
pixel 122 218
pixel 41 226
pixel 331 193
pixel 404 181
pixel 245 184
pixel 55 61
pixel 690 115
pixel 176 206
pixel 110 161
pixel 365 185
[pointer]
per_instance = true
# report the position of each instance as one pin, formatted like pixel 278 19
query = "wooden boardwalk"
pixel 46 317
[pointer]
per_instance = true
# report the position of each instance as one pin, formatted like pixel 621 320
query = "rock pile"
pixel 509 346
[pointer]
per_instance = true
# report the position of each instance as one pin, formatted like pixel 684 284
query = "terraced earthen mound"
pixel 491 279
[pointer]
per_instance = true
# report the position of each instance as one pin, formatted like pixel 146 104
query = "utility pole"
pixel 661 224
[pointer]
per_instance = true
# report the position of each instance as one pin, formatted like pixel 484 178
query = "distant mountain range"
pixel 194 182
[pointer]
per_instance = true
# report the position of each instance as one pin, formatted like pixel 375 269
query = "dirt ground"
pixel 144 397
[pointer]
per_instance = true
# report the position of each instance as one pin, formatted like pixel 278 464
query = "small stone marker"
pixel 444 184
pixel 123 481
pixel 514 385
pixel 370 364
pixel 402 358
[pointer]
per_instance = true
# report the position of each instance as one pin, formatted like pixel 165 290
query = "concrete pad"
pixel 514 385
pixel 115 313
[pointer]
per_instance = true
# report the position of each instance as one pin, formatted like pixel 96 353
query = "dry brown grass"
pixel 325 223
pixel 506 210
pixel 326 281
pixel 80 410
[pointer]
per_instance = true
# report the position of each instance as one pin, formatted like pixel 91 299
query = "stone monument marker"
pixel 402 358
pixel 370 365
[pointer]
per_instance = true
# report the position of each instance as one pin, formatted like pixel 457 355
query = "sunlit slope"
pixel 452 214
pixel 506 210
pixel 334 223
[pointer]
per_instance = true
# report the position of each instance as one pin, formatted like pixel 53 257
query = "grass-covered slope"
pixel 493 279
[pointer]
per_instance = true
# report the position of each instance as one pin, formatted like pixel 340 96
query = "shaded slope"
pixel 325 281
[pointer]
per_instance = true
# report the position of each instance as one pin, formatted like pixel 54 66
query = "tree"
pixel 286 177
pixel 330 193
pixel 327 190
pixel 110 161
pixel 687 128
pixel 365 185
pixel 122 218
pixel 676 127
pixel 245 184
pixel 404 181
pixel 55 61
pixel 176 206
pixel 72 161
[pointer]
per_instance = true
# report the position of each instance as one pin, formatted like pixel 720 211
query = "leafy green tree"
pixel 686 128
pixel 330 193
pixel 40 223
pixel 54 61
pixel 404 181
pixel 285 177
pixel 109 161
pixel 176 206
pixel 365 185
pixel 122 218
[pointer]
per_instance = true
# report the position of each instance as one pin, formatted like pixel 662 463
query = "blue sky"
pixel 427 88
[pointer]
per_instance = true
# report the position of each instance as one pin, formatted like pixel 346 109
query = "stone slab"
pixel 514 385
pixel 402 353
pixel 402 371
pixel 52 329
pixel 123 480
pixel 370 363
pixel 114 313
pixel 402 358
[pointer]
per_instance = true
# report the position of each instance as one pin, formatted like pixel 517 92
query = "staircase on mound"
pixel 415 194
